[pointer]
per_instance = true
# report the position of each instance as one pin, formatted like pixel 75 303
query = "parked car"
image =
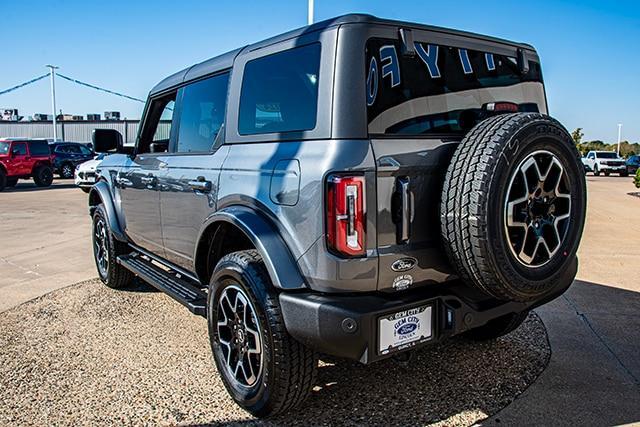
pixel 633 164
pixel 24 159
pixel 605 162
pixel 350 188
pixel 85 173
pixel 67 155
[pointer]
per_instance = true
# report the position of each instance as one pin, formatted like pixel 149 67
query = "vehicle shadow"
pixel 449 379
pixel 582 382
pixel 26 186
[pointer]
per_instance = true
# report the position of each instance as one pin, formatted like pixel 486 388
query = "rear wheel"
pixel 596 171
pixel 497 327
pixel 12 182
pixel 262 367
pixel 106 249
pixel 43 176
pixel 513 207
pixel 66 170
pixel 624 173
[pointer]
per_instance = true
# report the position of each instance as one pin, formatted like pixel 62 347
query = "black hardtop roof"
pixel 226 60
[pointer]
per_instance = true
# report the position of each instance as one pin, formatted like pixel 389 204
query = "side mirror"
pixel 106 140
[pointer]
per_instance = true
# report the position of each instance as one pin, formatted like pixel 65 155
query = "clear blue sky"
pixel 590 49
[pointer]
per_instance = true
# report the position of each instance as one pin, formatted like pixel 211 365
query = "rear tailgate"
pixel 419 106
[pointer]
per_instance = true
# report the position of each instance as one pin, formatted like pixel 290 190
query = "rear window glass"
pixel 442 89
pixel 39 148
pixel 280 92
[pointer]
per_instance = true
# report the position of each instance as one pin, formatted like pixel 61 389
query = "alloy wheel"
pixel 537 208
pixel 239 336
pixel 100 247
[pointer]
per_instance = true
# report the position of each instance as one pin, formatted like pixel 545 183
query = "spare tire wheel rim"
pixel 537 209
pixel 239 336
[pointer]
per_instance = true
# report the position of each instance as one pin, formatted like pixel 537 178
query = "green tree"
pixel 577 135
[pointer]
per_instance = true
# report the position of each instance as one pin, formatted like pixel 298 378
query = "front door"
pixel 138 179
pixel 20 158
pixel 189 186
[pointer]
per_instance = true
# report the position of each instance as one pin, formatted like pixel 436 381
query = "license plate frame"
pixel 405 329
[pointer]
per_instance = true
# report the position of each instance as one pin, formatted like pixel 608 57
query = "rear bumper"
pixel 347 326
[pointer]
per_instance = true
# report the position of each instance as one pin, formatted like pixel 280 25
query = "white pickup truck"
pixel 604 161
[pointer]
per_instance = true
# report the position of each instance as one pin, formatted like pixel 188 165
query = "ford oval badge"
pixel 403 264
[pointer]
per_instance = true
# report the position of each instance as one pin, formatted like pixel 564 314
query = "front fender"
pixel 280 264
pixel 100 190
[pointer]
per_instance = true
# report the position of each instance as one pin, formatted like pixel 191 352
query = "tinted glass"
pixel 39 148
pixel 4 147
pixel 73 149
pixel 60 149
pixel 280 92
pixel 442 89
pixel 607 155
pixel 163 130
pixel 202 114
pixel 84 150
pixel 19 149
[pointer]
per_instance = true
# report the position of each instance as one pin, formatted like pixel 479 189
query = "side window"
pixel 163 130
pixel 19 149
pixel 84 150
pixel 60 149
pixel 202 110
pixel 157 125
pixel 73 149
pixel 39 148
pixel 280 92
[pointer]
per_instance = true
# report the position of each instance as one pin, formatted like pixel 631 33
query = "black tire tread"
pixel 118 277
pixel 465 196
pixel 37 178
pixel 295 363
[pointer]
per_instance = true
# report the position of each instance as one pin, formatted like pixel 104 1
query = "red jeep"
pixel 23 158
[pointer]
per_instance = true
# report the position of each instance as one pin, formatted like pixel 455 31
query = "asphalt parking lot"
pixel 592 376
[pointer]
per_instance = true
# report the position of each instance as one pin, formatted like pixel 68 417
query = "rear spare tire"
pixel 513 207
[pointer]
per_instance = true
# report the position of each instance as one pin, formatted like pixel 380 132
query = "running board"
pixel 185 291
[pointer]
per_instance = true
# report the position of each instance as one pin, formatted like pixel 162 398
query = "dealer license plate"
pixel 404 329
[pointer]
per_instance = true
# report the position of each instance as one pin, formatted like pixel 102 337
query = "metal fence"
pixel 78 131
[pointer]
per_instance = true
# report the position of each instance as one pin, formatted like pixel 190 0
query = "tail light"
pixel 346 215
pixel 501 107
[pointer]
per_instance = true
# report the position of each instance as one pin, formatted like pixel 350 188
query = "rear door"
pixel 419 106
pixel 189 184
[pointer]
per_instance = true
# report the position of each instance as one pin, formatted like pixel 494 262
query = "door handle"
pixel 148 180
pixel 201 185
pixel 402 209
pixel 124 182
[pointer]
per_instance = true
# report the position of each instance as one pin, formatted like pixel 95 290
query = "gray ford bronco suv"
pixel 359 188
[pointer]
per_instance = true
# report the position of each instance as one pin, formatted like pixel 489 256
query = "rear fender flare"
pixel 101 191
pixel 280 263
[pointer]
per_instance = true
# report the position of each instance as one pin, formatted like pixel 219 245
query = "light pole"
pixel 53 69
pixel 310 13
pixel 619 134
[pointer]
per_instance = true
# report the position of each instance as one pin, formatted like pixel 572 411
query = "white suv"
pixel 604 161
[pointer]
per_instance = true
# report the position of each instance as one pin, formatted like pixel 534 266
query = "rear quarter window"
pixel 280 92
pixel 442 89
pixel 39 148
